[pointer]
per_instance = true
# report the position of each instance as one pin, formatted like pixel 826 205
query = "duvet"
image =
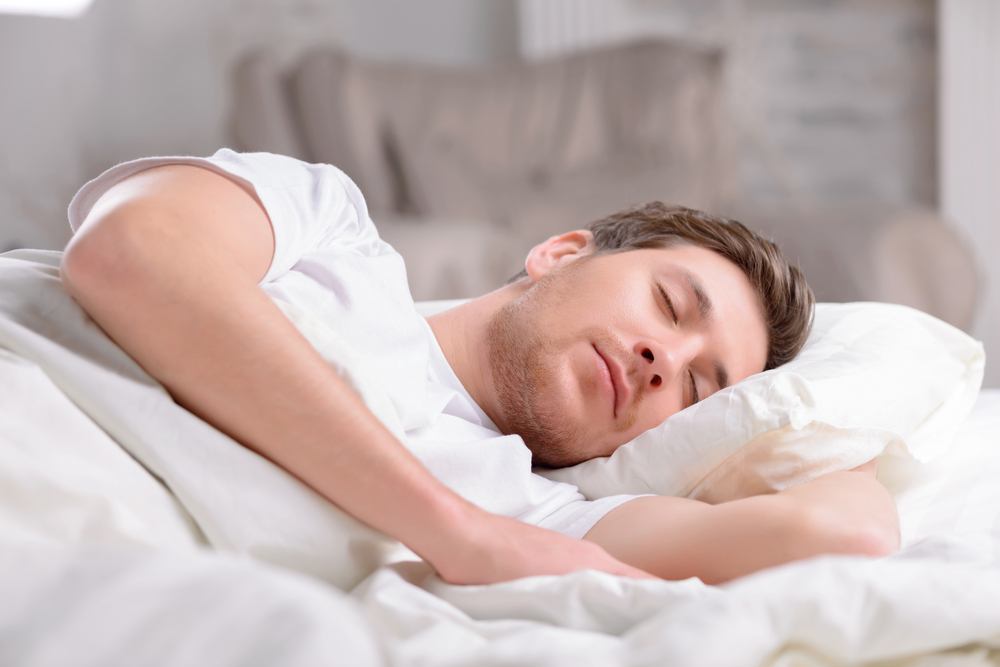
pixel 132 533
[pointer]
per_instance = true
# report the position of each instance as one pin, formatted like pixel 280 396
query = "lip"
pixel 616 379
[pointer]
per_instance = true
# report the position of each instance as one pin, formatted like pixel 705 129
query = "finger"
pixel 632 572
pixel 636 573
pixel 871 467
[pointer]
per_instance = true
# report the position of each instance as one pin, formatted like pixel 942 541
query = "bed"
pixel 132 533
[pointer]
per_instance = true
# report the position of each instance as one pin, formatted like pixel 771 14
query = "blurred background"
pixel 863 136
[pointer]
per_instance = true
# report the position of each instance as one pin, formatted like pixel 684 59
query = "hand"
pixel 840 512
pixel 870 468
pixel 497 548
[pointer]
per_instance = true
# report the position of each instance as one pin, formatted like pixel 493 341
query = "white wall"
pixel 143 77
pixel 832 100
pixel 969 36
pixel 446 32
pixel 44 98
pixel 140 77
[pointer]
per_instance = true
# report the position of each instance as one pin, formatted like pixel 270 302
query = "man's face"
pixel 605 347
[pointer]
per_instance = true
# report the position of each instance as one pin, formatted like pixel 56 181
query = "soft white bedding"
pixel 167 544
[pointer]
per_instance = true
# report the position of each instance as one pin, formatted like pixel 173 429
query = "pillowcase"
pixel 872 378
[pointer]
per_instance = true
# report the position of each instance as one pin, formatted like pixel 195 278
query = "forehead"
pixel 705 271
pixel 685 254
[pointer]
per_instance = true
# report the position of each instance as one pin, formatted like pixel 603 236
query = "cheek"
pixel 633 305
pixel 561 379
pixel 607 300
pixel 568 377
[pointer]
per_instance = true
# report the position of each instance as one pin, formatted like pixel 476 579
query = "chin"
pixel 562 452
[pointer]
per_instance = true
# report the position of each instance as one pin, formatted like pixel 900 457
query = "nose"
pixel 662 362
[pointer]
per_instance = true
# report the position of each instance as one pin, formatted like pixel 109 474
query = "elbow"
pixel 104 254
pixel 80 262
pixel 868 535
pixel 873 540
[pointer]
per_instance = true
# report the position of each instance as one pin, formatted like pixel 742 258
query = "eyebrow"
pixel 706 309
pixel 704 303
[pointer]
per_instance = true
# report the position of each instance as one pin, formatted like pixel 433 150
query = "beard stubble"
pixel 523 363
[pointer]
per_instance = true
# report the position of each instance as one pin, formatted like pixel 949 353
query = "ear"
pixel 557 251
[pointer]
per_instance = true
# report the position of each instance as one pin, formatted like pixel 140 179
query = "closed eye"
pixel 668 302
pixel 673 316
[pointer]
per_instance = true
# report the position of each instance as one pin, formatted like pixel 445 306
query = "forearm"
pixel 173 292
pixel 196 320
pixel 676 538
pixel 847 512
pixel 168 263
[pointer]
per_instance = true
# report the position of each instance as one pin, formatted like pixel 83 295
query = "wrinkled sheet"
pixel 936 605
pixel 103 563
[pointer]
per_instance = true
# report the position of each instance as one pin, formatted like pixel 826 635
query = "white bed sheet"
pixel 935 603
pixel 100 564
pixel 958 493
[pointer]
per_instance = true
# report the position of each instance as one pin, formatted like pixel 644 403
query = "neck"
pixel 461 333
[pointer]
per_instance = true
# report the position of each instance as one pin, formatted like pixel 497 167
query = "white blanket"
pixel 132 533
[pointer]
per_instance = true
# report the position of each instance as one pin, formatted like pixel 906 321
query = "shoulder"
pixel 280 176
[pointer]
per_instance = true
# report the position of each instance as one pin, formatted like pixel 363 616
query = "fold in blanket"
pixel 240 501
pixel 90 600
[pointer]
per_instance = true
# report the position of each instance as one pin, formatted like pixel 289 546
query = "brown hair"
pixel 785 297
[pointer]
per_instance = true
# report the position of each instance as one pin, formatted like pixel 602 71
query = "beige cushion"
pixel 875 253
pixel 262 119
pixel 452 259
pixel 539 147
pixel 344 125
pixel 915 260
pixel 536 150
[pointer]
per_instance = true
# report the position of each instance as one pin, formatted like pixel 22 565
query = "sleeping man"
pixel 607 333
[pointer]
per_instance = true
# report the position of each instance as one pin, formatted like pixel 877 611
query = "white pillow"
pixel 872 378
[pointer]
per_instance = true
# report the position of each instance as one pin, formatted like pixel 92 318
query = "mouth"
pixel 613 378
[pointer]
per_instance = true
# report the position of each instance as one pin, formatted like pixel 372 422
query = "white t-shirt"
pixel 329 261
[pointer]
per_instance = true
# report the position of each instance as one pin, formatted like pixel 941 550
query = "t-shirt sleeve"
pixel 494 473
pixel 578 516
pixel 310 206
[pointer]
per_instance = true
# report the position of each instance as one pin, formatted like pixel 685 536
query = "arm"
pixel 845 512
pixel 167 263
